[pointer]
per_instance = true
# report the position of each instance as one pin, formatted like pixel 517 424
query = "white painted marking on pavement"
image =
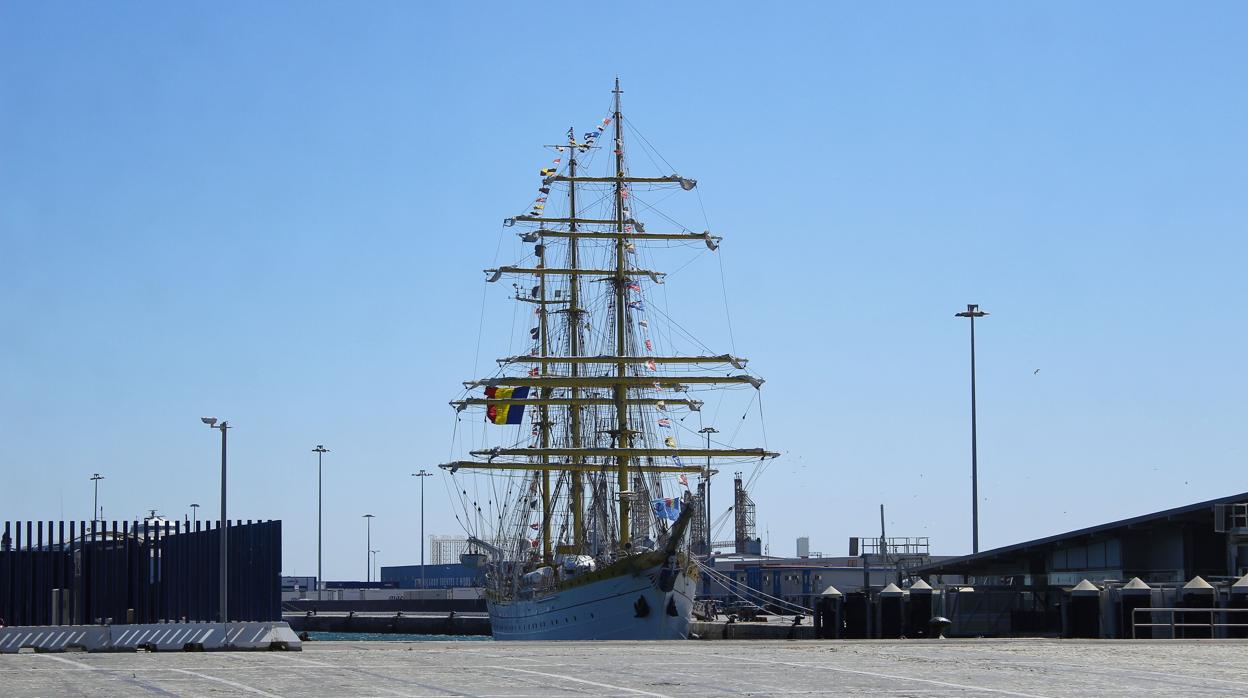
pixel 55 658
pixel 946 684
pixel 227 682
pixel 301 660
pixel 584 681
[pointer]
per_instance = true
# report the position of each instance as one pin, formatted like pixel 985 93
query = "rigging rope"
pixel 728 583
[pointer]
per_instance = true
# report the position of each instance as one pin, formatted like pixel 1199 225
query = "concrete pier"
pixel 1026 668
pixel 407 623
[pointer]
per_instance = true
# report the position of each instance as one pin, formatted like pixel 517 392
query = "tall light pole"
pixel 706 477
pixel 368 546
pixel 194 515
pixel 95 507
pixel 320 451
pixel 224 530
pixel 972 311
pixel 422 475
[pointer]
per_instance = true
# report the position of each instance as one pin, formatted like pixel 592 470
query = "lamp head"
pixel 972 310
pixel 210 421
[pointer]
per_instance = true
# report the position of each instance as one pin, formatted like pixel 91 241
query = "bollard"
pixel 855 607
pixel 1083 611
pixel 891 598
pixel 1239 599
pixel 1134 594
pixel 828 621
pixel 1195 594
pixel 919 610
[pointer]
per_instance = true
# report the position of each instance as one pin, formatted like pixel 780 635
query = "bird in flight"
pixel 1035 372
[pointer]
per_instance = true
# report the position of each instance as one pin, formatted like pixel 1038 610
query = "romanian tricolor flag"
pixel 505 413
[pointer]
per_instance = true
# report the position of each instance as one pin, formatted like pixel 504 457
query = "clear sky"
pixel 277 213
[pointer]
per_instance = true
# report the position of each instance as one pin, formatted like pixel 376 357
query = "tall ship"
pixel 576 489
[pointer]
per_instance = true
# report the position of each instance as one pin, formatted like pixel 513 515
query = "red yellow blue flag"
pixel 506 413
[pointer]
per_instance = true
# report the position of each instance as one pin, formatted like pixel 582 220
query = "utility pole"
pixel 194 515
pixel 95 506
pixel 706 477
pixel 972 311
pixel 368 546
pixel 422 475
pixel 224 526
pixel 320 451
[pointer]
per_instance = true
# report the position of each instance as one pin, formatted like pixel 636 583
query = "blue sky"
pixel 278 214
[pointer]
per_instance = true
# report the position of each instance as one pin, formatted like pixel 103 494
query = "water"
pixel 395 637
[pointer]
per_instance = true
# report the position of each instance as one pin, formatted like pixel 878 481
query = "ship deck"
pixel 919 667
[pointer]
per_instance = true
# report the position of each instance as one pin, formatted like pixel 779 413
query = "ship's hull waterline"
pixel 626 607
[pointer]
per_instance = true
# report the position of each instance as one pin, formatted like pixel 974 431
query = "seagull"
pixel 1035 372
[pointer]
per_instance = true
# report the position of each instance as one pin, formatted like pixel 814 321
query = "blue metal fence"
pixel 140 572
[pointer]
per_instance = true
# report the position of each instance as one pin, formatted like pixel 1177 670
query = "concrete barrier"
pixel 154 637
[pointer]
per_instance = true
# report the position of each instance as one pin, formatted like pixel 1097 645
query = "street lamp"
pixel 223 532
pixel 320 450
pixel 95 507
pixel 706 477
pixel 368 546
pixel 972 311
pixel 376 569
pixel 422 475
pixel 194 515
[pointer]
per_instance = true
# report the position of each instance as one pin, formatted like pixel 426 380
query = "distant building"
pixel 445 550
pixel 300 584
pixel 800 580
pixel 452 576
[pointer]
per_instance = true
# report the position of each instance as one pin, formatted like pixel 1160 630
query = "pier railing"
pixel 1180 619
pixel 82 572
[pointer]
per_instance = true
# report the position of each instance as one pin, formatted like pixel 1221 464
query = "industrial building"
pixel 446 576
pixel 800 580
pixel 1207 539
pixel 1022 588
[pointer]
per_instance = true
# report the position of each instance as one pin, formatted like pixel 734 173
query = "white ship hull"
pixel 625 607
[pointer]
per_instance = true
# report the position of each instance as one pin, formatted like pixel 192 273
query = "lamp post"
pixel 95 506
pixel 368 546
pixel 194 515
pixel 320 451
pixel 224 530
pixel 422 475
pixel 972 311
pixel 706 477
pixel 376 567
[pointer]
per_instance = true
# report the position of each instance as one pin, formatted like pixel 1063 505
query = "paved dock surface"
pixel 906 668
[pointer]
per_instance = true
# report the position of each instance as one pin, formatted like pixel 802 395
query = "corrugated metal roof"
pixel 937 567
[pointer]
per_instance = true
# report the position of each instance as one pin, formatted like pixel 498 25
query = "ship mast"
pixel 623 436
pixel 544 410
pixel 574 350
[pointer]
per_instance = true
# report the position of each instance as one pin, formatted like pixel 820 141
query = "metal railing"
pixel 1173 624
pixel 896 546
